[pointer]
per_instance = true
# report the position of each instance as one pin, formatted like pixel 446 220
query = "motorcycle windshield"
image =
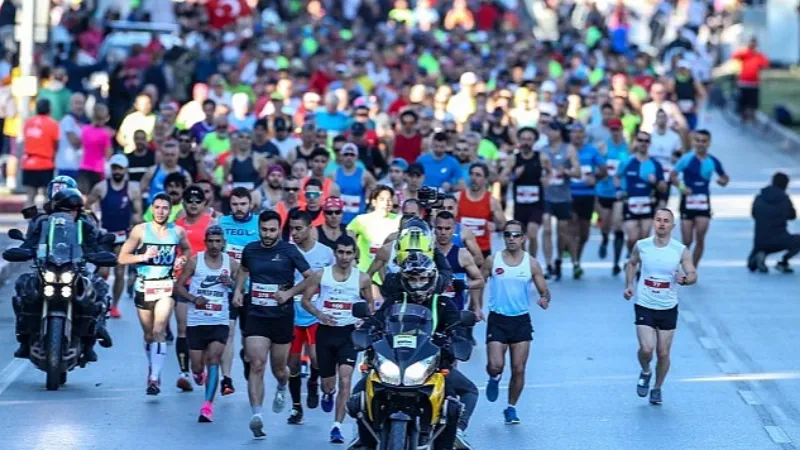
pixel 62 237
pixel 409 319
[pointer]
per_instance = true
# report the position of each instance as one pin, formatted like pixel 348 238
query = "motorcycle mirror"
pixel 102 259
pixel 360 339
pixel 108 239
pixel 16 234
pixel 462 349
pixel 360 310
pixel 18 254
pixel 468 318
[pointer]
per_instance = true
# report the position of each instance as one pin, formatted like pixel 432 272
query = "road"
pixel 734 380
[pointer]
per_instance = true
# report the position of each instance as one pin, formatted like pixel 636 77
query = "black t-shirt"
pixel 271 269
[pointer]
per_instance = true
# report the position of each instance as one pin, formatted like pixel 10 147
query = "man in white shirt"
pixel 70 148
pixel 666 147
pixel 658 94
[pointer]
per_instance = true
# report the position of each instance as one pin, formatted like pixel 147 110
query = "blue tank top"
pixel 590 159
pixel 457 236
pixel 237 235
pixel 457 289
pixel 116 209
pixel 352 193
pixel 616 155
pixel 161 266
pixel 157 183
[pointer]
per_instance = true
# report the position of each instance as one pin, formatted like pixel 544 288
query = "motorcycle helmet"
pixel 418 276
pixel 67 200
pixel 58 183
pixel 415 237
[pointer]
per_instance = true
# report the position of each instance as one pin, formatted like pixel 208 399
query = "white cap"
pixel 119 160
pixel 468 78
pixel 549 86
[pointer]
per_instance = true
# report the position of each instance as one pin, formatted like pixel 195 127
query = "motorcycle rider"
pixel 419 279
pixel 64 199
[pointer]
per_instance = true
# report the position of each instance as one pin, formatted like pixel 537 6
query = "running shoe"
pixel 655 396
pixel 557 270
pixel 643 385
pixel 114 312
pixel 616 270
pixel 493 389
pixel 312 401
pixel 170 337
pixel 783 267
pixel 184 384
pixel 200 378
pixel 153 387
pixel 296 416
pixel 327 402
pixel 461 441
pixel 548 272
pixel 226 386
pixel 206 413
pixel 279 402
pixel 511 416
pixel 761 262
pixel 603 252
pixel 336 436
pixel 577 272
pixel 257 427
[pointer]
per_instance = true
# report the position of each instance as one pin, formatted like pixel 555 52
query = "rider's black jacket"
pixel 91 234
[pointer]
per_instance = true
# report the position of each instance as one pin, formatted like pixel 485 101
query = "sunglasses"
pixel 333 212
pixel 512 234
pixel 313 195
pixel 194 201
pixel 646 141
pixel 291 189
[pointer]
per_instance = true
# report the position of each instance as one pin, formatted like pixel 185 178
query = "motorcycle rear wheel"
pixel 54 346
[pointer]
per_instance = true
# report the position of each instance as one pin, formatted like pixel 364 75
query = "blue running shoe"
pixel 493 389
pixel 336 436
pixel 510 414
pixel 327 402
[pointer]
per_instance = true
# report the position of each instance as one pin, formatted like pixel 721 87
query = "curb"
pixel 790 139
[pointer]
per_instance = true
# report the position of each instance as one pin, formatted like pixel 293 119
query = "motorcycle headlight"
pixel 67 277
pixel 49 276
pixel 388 371
pixel 418 372
pixel 66 291
pixel 49 291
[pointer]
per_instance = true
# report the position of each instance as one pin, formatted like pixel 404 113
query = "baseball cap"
pixel 401 163
pixel 214 230
pixel 358 129
pixel 614 124
pixel 194 192
pixel 119 160
pixel 332 203
pixel 415 169
pixel 349 149
pixel 280 124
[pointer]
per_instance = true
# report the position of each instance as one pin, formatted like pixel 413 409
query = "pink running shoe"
pixel 206 413
pixel 200 378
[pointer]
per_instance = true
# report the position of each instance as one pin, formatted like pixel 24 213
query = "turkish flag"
pixel 222 13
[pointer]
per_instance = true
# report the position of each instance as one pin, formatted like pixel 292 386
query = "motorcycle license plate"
pixel 405 341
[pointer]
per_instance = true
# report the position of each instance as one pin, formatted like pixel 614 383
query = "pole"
pixel 27 75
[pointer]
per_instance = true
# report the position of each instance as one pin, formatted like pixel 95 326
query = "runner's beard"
pixel 117 177
pixel 268 242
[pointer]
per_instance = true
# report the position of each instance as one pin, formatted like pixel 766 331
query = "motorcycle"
pixel 403 405
pixel 65 295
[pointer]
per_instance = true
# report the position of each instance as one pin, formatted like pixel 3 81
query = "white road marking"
pixel 726 368
pixel 11 372
pixel 777 411
pixel 708 343
pixel 777 434
pixel 749 397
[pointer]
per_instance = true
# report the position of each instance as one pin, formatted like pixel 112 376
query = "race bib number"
pixel 611 167
pixel 249 185
pixel 352 204
pixel 155 290
pixel 640 205
pixel 697 202
pixel 264 294
pixel 656 286
pixel 477 226
pixel 234 251
pixel 120 237
pixel 586 172
pixel 373 248
pixel 556 180
pixel 686 105
pixel 339 309
pixel 527 194
pixel 404 341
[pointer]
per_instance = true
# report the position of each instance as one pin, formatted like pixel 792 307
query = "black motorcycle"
pixel 403 405
pixel 61 313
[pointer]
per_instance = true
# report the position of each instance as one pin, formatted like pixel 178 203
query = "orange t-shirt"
pixel 41 140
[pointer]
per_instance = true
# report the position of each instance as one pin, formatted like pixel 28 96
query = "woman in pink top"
pixel 96 149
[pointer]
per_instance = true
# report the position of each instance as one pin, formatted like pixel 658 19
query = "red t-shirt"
pixel 222 13
pixel 752 64
pixel 41 137
pixel 408 148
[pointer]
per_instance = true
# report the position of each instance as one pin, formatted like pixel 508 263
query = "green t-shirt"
pixel 371 231
pixel 488 151
pixel 173 213
pixel 59 101
pixel 217 146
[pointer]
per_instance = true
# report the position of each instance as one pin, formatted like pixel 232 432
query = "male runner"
pixel 318 256
pixel 462 236
pixel 697 167
pixel 270 264
pixel 659 258
pixel 210 272
pixel 120 208
pixel 356 184
pixel 340 287
pixel 478 210
pixel 666 147
pixel 615 152
pixel 155 245
pixel 593 168
pixel 509 327
pixel 328 233
pixel 241 228
pixel 194 223
pixel 466 274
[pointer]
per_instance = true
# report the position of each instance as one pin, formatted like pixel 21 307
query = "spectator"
pixel 97 141
pixel 772 210
pixel 141 118
pixel 54 90
pixel 70 146
pixel 41 134
pixel 753 62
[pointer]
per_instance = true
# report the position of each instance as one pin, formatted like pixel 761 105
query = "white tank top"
pixel 510 289
pixel 337 298
pixel 657 288
pixel 205 282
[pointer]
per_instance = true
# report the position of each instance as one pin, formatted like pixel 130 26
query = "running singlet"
pixel 697 176
pixel 557 190
pixel 657 288
pixel 476 215
pixel 528 186
pixel 325 240
pixel 243 173
pixel 457 236
pixel 590 159
pixel 510 286
pixel 320 256
pixel 616 155
pixel 458 287
pixel 371 232
pixel 116 211
pixel 634 181
pixel 238 234
pixel 337 298
pixel 352 193
pixel 205 283
pixel 139 164
pixel 154 276
pixel 196 232
pixel 157 183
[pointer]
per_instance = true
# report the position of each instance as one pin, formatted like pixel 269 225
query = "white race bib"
pixel 657 286
pixel 477 226
pixel 249 185
pixel 640 205
pixel 234 251
pixel 155 290
pixel 697 202
pixel 264 294
pixel 686 106
pixel 527 194
pixel 352 203
pixel 611 167
pixel 339 309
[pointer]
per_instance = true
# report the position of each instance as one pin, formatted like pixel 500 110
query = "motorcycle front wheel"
pixel 398 436
pixel 54 346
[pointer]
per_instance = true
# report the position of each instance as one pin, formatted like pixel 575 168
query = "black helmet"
pixel 418 276
pixel 67 199
pixel 58 183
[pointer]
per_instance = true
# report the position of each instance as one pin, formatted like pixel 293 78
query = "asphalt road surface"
pixel 733 385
